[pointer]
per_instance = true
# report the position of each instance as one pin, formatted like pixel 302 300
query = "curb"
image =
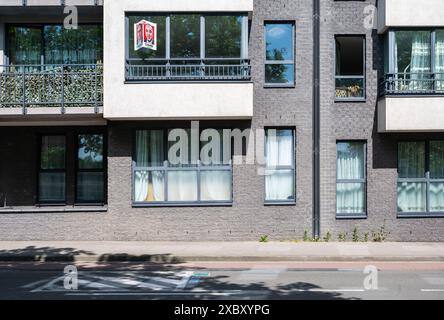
pixel 183 259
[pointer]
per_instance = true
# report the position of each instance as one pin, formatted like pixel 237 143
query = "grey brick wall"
pixel 357 121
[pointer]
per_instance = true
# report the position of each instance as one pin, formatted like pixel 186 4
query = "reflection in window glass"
pixel 439 59
pixel 185 36
pixel 411 159
pixel 73 46
pixel 223 36
pixel 90 151
pixel 279 64
pixel 279 41
pixel 52 152
pixel 25 45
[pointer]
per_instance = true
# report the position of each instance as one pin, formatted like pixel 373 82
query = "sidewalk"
pixel 179 252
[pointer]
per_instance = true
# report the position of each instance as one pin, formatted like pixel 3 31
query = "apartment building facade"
pixel 325 132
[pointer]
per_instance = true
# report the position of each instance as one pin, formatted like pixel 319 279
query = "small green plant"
pixel 327 237
pixel 355 235
pixel 366 237
pixel 379 235
pixel 263 239
pixel 306 237
pixel 342 237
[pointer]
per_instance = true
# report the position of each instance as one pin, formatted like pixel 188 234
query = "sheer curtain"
pixel 350 166
pixel 439 60
pixel 279 182
pixel 420 61
pixel 149 184
pixel 182 186
pixel 215 185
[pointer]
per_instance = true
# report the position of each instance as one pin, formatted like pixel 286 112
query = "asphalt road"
pixel 224 281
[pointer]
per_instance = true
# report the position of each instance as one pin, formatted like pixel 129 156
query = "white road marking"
pixel 432 290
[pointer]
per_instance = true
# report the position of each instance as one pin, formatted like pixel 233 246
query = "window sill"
pixel 280 86
pixel 358 100
pixel 53 209
pixel 279 203
pixel 361 216
pixel 182 204
pixel 420 215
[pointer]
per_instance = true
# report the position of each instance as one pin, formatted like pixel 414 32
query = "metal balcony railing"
pixel 206 70
pixel 412 83
pixel 59 86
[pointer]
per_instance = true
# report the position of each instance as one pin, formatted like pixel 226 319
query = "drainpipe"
pixel 316 119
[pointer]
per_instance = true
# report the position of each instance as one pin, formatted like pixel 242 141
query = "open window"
pixel 350 68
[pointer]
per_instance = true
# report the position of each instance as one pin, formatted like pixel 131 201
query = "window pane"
pixel 146 53
pixel 279 149
pixel 350 198
pixel 53 152
pixel 411 159
pixel 90 152
pixel 279 41
pixel 349 88
pixel 437 197
pixel 223 36
pixel 350 160
pixel 182 186
pixel 437 159
pixel 149 186
pixel 439 59
pixel 411 197
pixel 52 187
pixel 413 59
pixel 349 56
pixel 215 185
pixel 25 45
pixel 279 185
pixel 212 148
pixel 179 147
pixel 150 148
pixel 90 186
pixel 185 36
pixel 279 73
pixel 73 46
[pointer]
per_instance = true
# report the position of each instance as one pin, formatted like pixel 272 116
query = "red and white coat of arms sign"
pixel 145 35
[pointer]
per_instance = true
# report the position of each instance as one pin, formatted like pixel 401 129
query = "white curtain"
pixel 279 183
pixel 350 196
pixel 437 197
pixel 215 185
pixel 420 61
pixel 149 185
pixel 439 60
pixel 182 186
pixel 411 197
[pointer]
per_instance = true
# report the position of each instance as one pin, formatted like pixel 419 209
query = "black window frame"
pixel 277 168
pixel 166 168
pixel 40 170
pixel 364 181
pixel 426 180
pixel 102 170
pixel 363 76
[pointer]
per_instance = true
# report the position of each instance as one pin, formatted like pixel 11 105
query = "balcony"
pixel 411 102
pixel 426 83
pixel 194 70
pixel 51 89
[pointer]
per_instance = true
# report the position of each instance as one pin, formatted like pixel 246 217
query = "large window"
pixel 90 168
pixel 279 54
pixel 52 173
pixel 421 177
pixel 53 44
pixel 165 171
pixel 351 179
pixel 350 68
pixel 415 61
pixel 280 166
